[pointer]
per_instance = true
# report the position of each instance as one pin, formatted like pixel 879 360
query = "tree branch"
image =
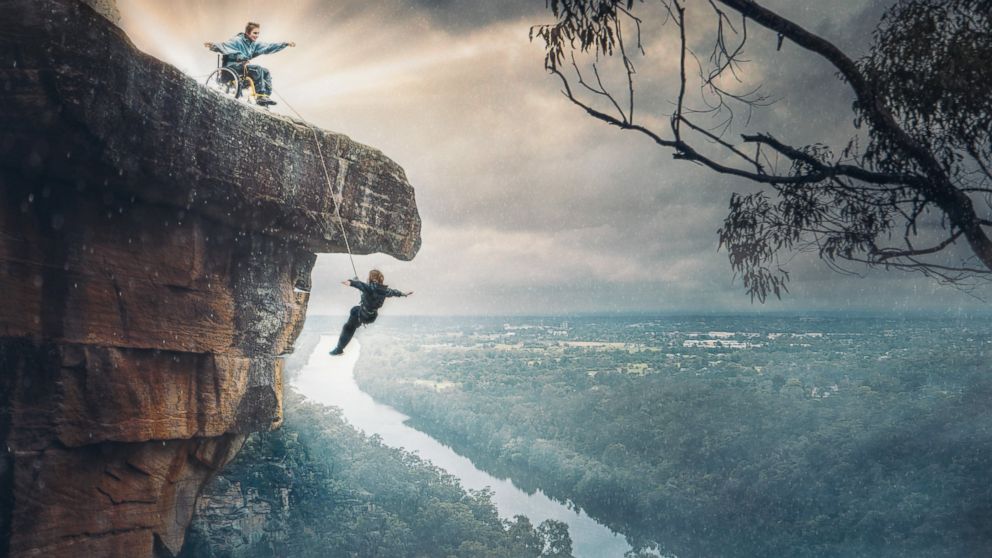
pixel 676 118
pixel 752 160
pixel 954 203
pixel 889 253
pixel 834 170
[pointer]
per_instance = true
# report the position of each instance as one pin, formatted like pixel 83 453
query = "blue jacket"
pixel 241 49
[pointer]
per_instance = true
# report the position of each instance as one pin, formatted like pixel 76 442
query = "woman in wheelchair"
pixel 240 49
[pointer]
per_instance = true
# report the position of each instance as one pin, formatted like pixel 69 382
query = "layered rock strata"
pixel 156 242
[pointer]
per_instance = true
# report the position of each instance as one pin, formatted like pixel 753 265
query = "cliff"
pixel 156 242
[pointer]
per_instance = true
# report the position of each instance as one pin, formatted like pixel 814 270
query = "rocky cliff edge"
pixel 156 243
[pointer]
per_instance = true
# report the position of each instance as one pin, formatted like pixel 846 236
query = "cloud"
pixel 455 15
pixel 529 205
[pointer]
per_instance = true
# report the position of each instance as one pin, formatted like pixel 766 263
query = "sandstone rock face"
pixel 156 242
pixel 235 521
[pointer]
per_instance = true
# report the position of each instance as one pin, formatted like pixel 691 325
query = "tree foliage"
pixel 900 194
pixel 350 495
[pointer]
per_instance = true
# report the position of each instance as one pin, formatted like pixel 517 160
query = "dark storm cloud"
pixel 458 15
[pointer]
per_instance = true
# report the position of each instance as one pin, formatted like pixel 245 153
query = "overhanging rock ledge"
pixel 156 243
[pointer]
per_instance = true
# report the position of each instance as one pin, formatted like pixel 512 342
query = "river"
pixel 331 381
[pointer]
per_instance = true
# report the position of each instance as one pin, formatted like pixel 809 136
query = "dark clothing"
pixel 354 321
pixel 374 296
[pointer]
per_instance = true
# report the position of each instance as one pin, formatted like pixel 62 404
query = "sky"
pixel 528 205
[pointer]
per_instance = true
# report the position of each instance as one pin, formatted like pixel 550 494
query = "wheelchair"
pixel 229 83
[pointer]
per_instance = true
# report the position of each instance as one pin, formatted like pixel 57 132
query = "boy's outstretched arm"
pixel 227 48
pixel 357 284
pixel 270 48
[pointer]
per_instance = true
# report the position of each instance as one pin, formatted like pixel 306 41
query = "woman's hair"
pixel 251 25
pixel 375 276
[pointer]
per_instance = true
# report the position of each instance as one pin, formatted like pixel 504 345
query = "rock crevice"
pixel 156 245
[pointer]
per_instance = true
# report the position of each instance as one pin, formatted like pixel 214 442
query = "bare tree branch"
pixel 836 170
pixel 716 139
pixel 889 253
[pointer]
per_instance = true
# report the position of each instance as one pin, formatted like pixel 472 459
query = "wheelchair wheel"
pixel 225 82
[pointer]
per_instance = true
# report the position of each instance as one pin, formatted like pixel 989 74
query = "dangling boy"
pixel 374 295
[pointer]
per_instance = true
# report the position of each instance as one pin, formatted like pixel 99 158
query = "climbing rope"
pixel 327 178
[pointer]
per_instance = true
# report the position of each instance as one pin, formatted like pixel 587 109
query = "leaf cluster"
pixel 592 25
pixel 931 64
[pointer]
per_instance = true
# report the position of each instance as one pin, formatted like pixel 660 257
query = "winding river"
pixel 331 381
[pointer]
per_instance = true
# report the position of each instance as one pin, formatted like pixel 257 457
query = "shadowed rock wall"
pixel 156 244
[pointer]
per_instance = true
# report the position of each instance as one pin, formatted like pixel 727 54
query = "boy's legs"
pixel 263 81
pixel 348 331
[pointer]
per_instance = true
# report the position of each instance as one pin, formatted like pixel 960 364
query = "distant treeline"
pixel 895 459
pixel 351 496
